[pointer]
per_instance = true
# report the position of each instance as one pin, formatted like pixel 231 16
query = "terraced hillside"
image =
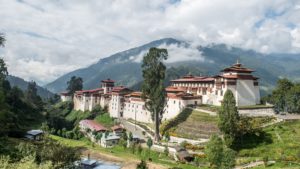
pixel 197 125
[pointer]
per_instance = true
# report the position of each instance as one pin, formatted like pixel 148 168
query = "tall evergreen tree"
pixel 153 91
pixel 2 39
pixel 229 118
pixel 3 70
pixel 33 97
pixel 74 84
pixel 32 91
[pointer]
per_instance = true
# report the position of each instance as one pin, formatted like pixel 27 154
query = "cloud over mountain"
pixel 47 38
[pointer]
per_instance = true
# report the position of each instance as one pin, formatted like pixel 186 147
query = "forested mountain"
pixel 22 84
pixel 125 67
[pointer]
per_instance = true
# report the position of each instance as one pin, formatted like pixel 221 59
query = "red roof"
pixel 134 94
pixel 117 127
pixel 89 91
pixel 91 124
pixel 191 78
pixel 108 81
pixel 175 89
pixel 118 89
pixel 245 77
pixel 237 68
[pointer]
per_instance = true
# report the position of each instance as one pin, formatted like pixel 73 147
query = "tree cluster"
pixel 47 154
pixel 74 84
pixel 16 109
pixel 219 155
pixel 285 97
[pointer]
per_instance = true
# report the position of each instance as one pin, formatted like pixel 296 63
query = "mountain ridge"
pixel 125 66
pixel 22 84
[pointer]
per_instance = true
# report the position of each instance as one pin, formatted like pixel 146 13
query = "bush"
pixel 142 165
pixel 265 160
pixel 184 144
pixel 140 149
pixel 166 151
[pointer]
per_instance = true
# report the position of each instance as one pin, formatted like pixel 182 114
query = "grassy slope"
pixel 197 125
pixel 76 116
pixel 105 120
pixel 120 152
pixel 281 143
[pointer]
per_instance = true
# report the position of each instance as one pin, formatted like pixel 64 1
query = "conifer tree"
pixel 214 151
pixel 2 40
pixel 229 118
pixel 153 91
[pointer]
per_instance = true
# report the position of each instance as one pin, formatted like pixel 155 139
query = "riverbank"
pixel 125 157
pixel 124 163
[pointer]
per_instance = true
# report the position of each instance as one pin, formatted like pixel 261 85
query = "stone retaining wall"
pixel 255 112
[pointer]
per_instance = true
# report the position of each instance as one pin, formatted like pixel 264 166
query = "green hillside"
pixel 197 125
pixel 125 67
pixel 280 143
pixel 22 84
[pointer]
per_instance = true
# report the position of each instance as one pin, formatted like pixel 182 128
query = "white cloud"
pixel 181 53
pixel 47 38
pixel 176 53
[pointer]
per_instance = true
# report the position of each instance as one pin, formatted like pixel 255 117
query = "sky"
pixel 48 38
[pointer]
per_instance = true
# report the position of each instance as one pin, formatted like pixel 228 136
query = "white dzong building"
pixel 188 90
pixel 236 78
pixel 88 99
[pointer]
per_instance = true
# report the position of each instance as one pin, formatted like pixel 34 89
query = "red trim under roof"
pixel 191 78
pixel 89 91
pixel 175 89
pixel 250 77
pixel 134 94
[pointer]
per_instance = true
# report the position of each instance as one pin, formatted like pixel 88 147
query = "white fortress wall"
pixel 257 112
pixel 246 93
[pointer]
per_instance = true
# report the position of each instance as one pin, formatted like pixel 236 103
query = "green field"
pixel 280 142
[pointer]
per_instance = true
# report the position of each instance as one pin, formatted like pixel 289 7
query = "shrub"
pixel 181 117
pixel 139 149
pixel 184 144
pixel 166 151
pixel 142 165
pixel 265 160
